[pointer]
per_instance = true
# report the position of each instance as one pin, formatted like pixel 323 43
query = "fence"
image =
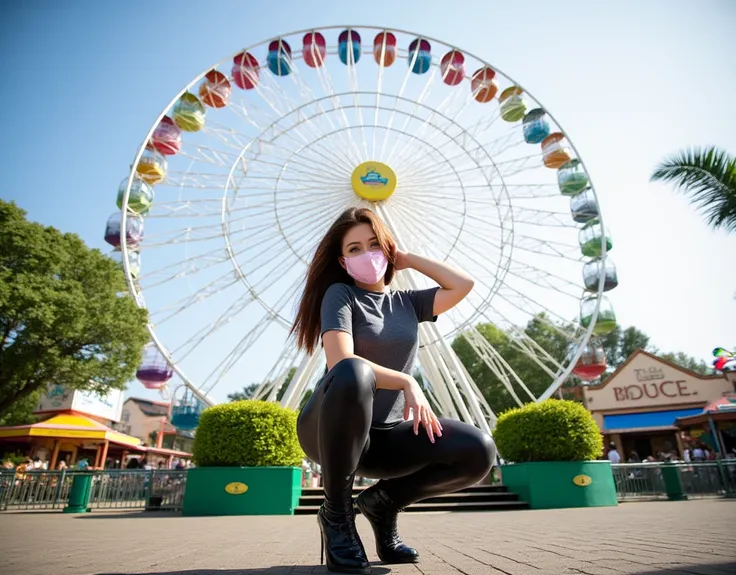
pixel 111 489
pixel 164 489
pixel 645 480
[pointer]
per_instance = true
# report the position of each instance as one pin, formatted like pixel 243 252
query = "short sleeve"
pixel 337 309
pixel 423 302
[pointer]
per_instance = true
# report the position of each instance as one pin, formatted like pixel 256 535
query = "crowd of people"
pixel 29 464
pixel 696 452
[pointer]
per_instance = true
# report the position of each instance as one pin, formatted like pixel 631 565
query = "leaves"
pixel 540 330
pixel 708 177
pixel 619 344
pixel 246 393
pixel 248 433
pixel 65 314
pixel 249 390
pixel 21 412
pixel 550 430
pixel 688 362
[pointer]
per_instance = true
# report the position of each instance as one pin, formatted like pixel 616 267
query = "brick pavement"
pixel 694 537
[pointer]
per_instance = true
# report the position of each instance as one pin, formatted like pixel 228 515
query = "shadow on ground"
pixel 703 569
pixel 708 569
pixel 277 570
pixel 129 515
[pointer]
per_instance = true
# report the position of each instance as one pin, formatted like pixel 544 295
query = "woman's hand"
pixel 417 403
pixel 401 260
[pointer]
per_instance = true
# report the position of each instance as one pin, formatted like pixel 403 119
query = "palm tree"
pixel 708 177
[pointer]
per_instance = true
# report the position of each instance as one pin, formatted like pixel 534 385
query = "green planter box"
pixel 558 484
pixel 242 491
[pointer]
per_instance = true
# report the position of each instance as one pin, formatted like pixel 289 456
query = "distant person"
pixel 613 454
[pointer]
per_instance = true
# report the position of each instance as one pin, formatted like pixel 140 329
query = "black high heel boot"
pixel 341 544
pixel 382 514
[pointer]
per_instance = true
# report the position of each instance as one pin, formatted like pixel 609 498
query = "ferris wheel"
pixel 245 169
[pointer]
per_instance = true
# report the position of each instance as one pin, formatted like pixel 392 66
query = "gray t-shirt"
pixel 385 330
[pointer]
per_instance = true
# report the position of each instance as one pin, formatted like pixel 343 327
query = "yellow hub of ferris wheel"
pixel 373 181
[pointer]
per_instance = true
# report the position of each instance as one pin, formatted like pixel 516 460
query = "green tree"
pixel 619 344
pixel 249 390
pixel 246 393
pixel 65 313
pixel 688 362
pixel 708 177
pixel 21 412
pixel 550 337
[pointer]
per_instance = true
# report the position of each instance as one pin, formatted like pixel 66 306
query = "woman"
pixel 357 419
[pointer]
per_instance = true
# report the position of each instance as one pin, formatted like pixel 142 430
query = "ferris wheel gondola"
pixel 255 157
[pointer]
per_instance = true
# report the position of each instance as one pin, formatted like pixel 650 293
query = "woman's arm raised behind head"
pixel 455 284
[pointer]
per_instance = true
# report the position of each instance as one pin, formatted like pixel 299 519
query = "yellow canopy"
pixel 70 426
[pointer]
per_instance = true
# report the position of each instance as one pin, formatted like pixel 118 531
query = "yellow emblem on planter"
pixel 236 488
pixel 373 181
pixel 582 480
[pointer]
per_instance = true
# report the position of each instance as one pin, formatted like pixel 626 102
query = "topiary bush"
pixel 248 433
pixel 551 430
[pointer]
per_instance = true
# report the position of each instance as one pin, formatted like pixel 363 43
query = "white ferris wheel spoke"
pixel 247 198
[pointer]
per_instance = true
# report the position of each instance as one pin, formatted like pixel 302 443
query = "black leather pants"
pixel 335 431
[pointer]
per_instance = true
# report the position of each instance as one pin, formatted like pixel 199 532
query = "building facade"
pixel 636 407
pixel 143 418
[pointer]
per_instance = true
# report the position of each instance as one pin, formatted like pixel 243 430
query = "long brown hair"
pixel 325 270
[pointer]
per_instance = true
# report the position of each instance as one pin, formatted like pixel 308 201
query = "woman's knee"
pixel 478 452
pixel 486 452
pixel 354 377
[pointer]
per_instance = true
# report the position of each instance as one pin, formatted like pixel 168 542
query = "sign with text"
pixel 671 389
pixel 648 382
pixel 58 398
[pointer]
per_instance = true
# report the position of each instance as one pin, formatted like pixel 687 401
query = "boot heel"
pixel 376 506
pixel 340 548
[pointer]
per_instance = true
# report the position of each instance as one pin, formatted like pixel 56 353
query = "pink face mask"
pixel 368 267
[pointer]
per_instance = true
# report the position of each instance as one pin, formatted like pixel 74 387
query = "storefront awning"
pixel 720 405
pixel 649 420
pixel 69 426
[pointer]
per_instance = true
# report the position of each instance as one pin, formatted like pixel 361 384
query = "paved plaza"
pixel 693 537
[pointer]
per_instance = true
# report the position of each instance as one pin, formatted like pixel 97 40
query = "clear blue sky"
pixel 630 82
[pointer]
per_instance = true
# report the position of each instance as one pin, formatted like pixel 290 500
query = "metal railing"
pixel 163 489
pixel 138 489
pixel 35 489
pixel 645 480
pixel 712 478
pixel 111 489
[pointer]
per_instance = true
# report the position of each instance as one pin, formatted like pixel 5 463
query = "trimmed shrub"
pixel 551 430
pixel 248 433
